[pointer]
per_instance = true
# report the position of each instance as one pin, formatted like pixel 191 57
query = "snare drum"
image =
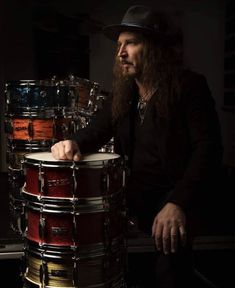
pixel 84 225
pixel 86 95
pixel 39 129
pixel 30 95
pixel 47 268
pixel 96 175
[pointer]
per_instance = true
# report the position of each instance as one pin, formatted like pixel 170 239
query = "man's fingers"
pixel 183 235
pixel 56 150
pixel 166 239
pixel 77 156
pixel 174 239
pixel 66 150
pixel 157 234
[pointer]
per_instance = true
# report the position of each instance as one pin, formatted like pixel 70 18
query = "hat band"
pixel 139 26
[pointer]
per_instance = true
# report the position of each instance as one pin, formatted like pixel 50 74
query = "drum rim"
pixel 29 112
pixel 76 206
pixel 31 82
pixel 117 281
pixel 41 115
pixel 75 252
pixel 31 159
pixel 76 81
pixel 17 145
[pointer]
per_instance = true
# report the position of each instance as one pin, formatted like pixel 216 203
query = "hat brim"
pixel 112 31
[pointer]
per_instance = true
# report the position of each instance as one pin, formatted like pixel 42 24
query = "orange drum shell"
pixel 32 129
pixel 41 129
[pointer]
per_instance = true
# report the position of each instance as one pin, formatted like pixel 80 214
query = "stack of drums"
pixel 70 215
pixel 38 114
pixel 75 221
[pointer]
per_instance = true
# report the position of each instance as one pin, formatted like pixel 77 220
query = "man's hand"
pixel 169 228
pixel 66 150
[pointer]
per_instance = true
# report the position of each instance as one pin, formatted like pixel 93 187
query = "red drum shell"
pixel 66 228
pixel 83 179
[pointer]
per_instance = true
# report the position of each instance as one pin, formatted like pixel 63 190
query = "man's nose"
pixel 122 52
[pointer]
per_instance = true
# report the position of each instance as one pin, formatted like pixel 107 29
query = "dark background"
pixel 40 39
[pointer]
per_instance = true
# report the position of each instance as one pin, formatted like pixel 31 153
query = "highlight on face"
pixel 129 55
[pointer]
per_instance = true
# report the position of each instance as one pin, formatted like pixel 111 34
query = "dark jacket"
pixel 190 144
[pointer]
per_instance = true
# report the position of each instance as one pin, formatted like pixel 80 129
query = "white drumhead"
pixel 41 156
pixel 99 156
pixel 47 157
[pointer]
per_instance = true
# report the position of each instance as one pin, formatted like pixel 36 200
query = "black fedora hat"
pixel 141 19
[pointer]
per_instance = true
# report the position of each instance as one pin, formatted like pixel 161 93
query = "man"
pixel 164 123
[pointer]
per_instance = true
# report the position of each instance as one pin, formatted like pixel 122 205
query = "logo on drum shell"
pixel 56 231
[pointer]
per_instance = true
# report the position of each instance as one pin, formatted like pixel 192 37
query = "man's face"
pixel 129 54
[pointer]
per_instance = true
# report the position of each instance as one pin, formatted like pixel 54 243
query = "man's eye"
pixel 134 42
pixel 130 42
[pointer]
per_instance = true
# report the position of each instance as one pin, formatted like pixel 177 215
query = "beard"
pixel 123 88
pixel 122 81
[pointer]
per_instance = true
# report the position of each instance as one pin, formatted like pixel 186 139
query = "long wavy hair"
pixel 161 66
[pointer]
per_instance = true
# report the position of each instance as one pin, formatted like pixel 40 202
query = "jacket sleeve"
pixel 205 161
pixel 98 132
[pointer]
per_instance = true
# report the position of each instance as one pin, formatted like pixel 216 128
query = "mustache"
pixel 123 62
